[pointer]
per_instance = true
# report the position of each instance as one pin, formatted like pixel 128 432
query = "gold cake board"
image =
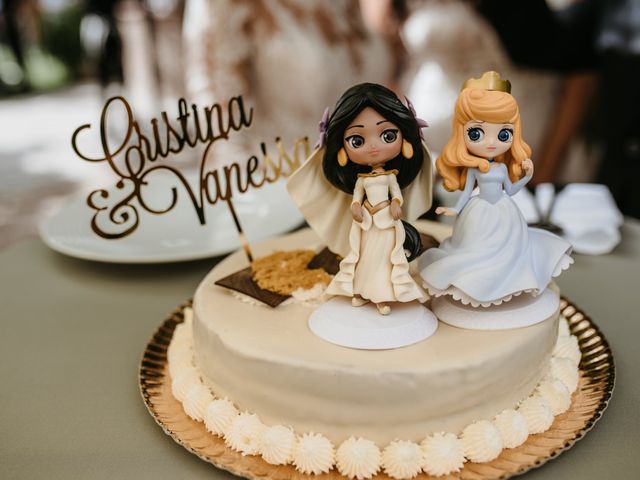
pixel 597 376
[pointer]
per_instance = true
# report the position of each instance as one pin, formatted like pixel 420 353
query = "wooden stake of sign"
pixel 243 238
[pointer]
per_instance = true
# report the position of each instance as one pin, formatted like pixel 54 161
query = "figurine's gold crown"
pixel 489 81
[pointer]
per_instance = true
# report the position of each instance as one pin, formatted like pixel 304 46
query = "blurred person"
pixel 568 154
pixel 164 20
pixel 101 39
pixel 149 35
pixel 449 42
pixel 289 59
pixel 588 35
pixel 386 17
pixel 21 26
pixel 9 22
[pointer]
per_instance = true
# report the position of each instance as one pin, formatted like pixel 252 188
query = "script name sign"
pixel 137 155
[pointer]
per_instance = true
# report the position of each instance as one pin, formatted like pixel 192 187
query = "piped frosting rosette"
pixel 438 454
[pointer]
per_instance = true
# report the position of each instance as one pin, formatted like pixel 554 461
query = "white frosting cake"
pixel 267 361
pixel 258 378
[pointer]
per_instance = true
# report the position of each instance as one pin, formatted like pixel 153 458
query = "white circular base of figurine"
pixel 337 321
pixel 521 311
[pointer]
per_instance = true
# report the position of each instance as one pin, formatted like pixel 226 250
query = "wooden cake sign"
pixel 137 156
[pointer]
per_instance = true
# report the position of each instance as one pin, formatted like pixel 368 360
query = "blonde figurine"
pixel 492 254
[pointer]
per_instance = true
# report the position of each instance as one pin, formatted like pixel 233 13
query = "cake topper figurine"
pixel 371 170
pixel 492 254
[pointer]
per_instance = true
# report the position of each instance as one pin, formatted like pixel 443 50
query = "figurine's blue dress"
pixel 492 253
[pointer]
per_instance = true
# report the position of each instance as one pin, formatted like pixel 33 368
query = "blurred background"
pixel 573 64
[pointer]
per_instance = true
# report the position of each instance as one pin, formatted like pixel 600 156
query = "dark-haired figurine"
pixel 371 170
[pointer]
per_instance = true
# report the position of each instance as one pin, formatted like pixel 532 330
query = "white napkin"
pixel 586 212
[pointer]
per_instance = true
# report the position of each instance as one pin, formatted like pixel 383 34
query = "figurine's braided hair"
pixel 488 106
pixel 387 104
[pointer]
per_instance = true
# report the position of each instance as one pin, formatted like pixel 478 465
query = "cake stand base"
pixel 521 311
pixel 338 322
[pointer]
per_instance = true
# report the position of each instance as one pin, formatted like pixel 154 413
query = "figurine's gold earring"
pixel 342 157
pixel 407 149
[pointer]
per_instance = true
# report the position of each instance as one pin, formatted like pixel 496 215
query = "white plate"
pixel 177 235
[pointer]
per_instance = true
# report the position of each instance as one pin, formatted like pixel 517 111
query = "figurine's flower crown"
pixel 324 124
pixel 489 81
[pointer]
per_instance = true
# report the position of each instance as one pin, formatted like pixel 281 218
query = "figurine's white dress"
pixel 493 254
pixel 376 266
